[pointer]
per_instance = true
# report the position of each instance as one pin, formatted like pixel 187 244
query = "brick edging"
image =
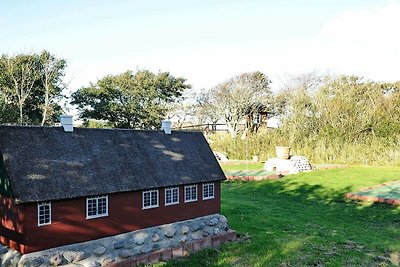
pixel 395 202
pixel 355 196
pixel 377 185
pixel 183 250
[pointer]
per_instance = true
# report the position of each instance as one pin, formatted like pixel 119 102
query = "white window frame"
pixel 209 195
pixel 97 210
pixel 165 195
pixel 38 213
pixel 151 206
pixel 191 200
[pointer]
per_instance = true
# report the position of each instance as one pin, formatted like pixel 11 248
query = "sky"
pixel 208 41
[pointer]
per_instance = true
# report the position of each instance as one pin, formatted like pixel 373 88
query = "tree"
pixel 22 71
pixel 130 100
pixel 341 109
pixel 295 104
pixel 52 72
pixel 204 109
pixel 32 85
pixel 238 97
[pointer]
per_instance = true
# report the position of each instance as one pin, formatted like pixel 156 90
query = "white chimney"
pixel 166 126
pixel 67 123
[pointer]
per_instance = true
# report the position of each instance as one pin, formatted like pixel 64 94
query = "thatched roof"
pixel 46 163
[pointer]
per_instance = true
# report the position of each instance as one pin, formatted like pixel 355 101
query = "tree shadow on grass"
pixel 297 223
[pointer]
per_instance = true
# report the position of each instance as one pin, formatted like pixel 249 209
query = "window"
pixel 44 214
pixel 171 196
pixel 96 207
pixel 150 199
pixel 190 193
pixel 208 191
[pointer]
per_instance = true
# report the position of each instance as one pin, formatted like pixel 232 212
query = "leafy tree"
pixel 340 109
pixel 295 105
pixel 31 84
pixel 238 97
pixel 130 100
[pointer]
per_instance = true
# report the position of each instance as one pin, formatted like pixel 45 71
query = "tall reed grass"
pixel 368 150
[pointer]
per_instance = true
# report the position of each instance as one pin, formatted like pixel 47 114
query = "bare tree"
pixel 234 98
pixel 204 109
pixel 309 81
pixel 22 70
pixel 52 72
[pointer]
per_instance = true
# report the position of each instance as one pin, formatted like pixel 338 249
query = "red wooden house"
pixel 59 187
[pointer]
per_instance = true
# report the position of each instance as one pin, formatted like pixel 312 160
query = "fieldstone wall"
pixel 141 246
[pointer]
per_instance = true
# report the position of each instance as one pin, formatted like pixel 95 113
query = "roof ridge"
pixel 86 128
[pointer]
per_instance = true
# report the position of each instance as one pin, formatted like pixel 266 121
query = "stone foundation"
pixel 133 248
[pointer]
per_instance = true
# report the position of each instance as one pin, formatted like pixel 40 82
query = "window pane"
pixel 208 190
pixel 187 193
pixel 44 214
pixel 168 199
pixel 194 193
pixel 92 210
pixel 175 195
pixel 205 190
pixel 146 199
pixel 102 206
pixel 154 198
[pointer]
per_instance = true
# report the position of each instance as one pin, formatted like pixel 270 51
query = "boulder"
pixel 223 219
pixel 196 235
pixel 125 253
pixel 185 229
pixel 119 244
pixel 206 232
pixel 198 226
pixel 73 256
pixel 138 239
pixel 90 263
pixel 213 221
pixel 99 251
pixel 106 260
pixel 182 239
pixel 156 238
pixel 169 231
pixel 30 262
pixel 56 259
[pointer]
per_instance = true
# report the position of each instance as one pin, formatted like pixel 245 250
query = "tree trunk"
pixel 46 106
pixel 21 115
pixel 232 129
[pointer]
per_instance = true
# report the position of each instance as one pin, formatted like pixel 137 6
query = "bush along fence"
pixel 150 245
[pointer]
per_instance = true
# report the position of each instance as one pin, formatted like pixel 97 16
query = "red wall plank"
pixel 12 224
pixel 69 224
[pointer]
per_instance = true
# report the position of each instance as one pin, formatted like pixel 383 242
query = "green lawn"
pixel 303 220
pixel 242 166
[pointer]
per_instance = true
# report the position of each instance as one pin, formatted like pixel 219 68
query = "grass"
pixel 242 166
pixel 250 173
pixel 304 220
